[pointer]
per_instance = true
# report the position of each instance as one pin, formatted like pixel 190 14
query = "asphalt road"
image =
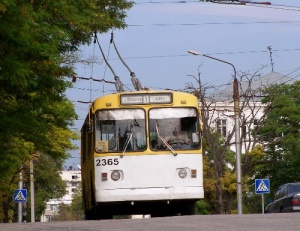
pixel 254 222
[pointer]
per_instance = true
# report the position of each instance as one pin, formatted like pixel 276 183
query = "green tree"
pixel 280 134
pixel 219 162
pixel 47 184
pixel 77 206
pixel 72 212
pixel 52 155
pixel 255 162
pixel 39 40
pixel 202 207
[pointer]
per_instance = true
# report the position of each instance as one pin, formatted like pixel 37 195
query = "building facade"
pixel 252 110
pixel 72 179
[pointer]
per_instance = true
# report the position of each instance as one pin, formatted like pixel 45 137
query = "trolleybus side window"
pixel 120 129
pixel 175 127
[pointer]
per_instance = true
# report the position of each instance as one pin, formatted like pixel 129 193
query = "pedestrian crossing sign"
pixel 20 195
pixel 262 186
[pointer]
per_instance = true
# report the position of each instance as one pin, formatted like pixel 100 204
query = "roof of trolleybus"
pixel 145 97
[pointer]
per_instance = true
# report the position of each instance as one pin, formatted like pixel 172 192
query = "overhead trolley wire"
pixel 212 23
pixel 261 4
pixel 218 53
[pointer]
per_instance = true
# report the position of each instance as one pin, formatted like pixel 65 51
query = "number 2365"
pixel 104 162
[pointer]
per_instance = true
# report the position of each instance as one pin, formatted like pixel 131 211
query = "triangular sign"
pixel 262 187
pixel 20 196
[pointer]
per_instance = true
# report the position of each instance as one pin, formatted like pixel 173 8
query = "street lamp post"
pixel 237 130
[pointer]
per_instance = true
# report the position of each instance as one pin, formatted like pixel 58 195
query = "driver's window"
pixel 177 127
pixel 120 130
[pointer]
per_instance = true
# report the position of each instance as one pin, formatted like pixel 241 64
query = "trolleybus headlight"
pixel 182 173
pixel 115 175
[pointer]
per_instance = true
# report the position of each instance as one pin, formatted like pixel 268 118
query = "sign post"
pixel 262 186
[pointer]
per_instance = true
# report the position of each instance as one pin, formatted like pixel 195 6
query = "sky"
pixel 154 46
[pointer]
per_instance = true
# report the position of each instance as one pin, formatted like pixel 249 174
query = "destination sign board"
pixel 157 98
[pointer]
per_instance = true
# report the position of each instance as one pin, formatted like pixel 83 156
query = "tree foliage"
pixel 47 183
pixel 219 161
pixel 280 134
pixel 38 41
pixel 72 212
pixel 269 138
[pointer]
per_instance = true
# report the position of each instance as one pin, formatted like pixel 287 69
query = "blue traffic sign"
pixel 20 195
pixel 262 186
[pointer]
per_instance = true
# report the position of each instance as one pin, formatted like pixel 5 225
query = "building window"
pixel 53 207
pixel 221 127
pixel 74 184
pixel 74 177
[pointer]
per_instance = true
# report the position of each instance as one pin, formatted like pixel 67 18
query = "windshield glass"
pixel 178 127
pixel 120 130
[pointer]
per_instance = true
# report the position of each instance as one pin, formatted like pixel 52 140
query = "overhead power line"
pixel 218 53
pixel 212 23
pixel 280 7
pixel 262 4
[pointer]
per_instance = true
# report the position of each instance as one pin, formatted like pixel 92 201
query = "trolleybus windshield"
pixel 120 130
pixel 174 129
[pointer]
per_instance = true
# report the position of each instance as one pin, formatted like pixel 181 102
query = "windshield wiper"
pixel 126 144
pixel 165 142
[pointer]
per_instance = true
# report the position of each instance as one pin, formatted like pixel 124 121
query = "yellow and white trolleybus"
pixel 142 154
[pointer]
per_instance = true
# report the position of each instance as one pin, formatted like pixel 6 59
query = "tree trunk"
pixel 220 196
pixel 5 212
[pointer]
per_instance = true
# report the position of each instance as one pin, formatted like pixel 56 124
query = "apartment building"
pixel 72 178
pixel 221 107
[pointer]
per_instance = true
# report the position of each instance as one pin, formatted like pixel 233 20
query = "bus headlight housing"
pixel 182 173
pixel 115 175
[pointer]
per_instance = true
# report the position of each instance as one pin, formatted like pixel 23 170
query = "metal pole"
pixel 237 144
pixel 262 204
pixel 32 192
pixel 236 104
pixel 20 204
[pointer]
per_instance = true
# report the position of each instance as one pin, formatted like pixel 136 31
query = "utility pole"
pixel 237 129
pixel 32 192
pixel 20 204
